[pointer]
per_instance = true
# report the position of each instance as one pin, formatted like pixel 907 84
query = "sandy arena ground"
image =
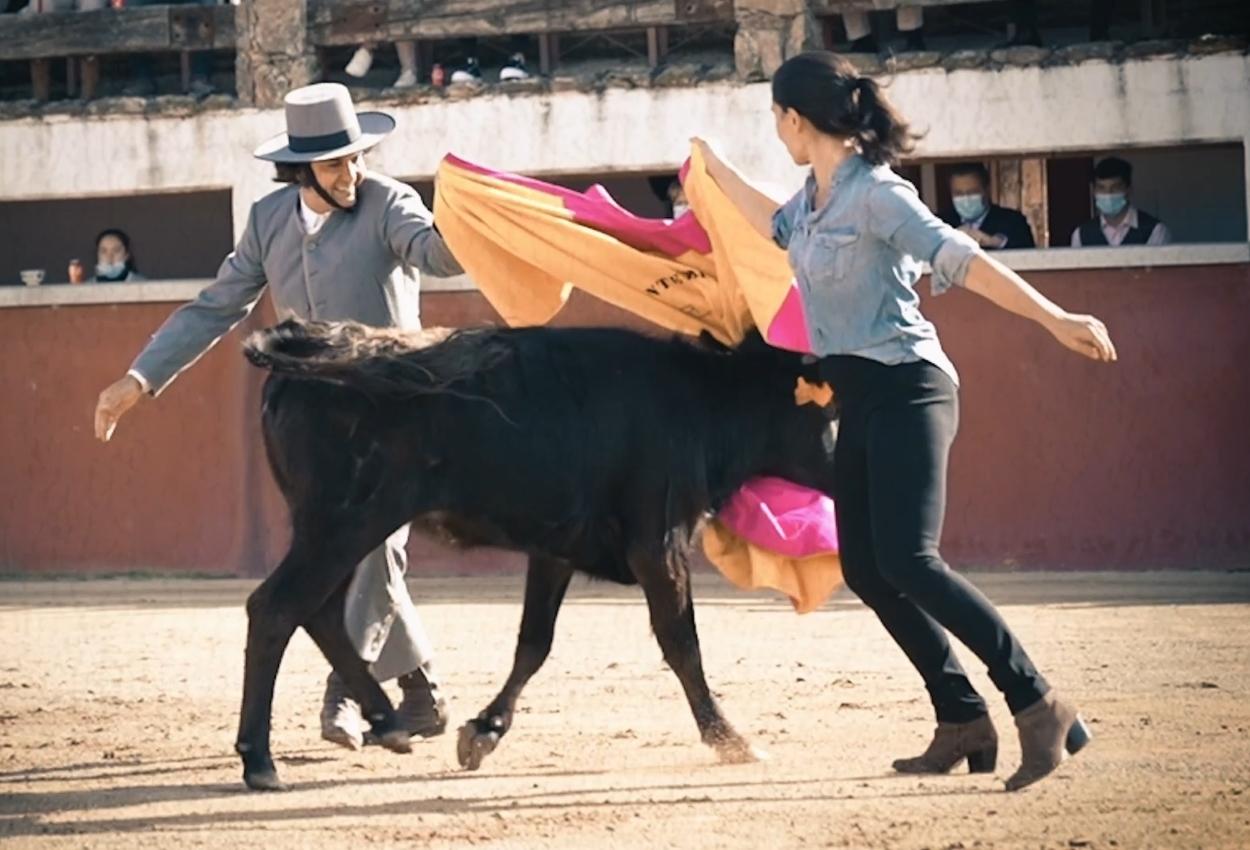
pixel 118 704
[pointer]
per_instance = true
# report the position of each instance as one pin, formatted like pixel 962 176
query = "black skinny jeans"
pixel 894 437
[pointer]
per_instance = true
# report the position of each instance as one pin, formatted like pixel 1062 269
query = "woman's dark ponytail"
pixel 882 133
pixel 827 91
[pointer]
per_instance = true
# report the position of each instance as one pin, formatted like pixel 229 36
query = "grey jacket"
pixel 361 265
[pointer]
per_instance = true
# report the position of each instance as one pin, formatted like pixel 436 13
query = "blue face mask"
pixel 1112 203
pixel 110 271
pixel 969 207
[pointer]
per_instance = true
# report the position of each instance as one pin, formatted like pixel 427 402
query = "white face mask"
pixel 110 270
pixel 679 210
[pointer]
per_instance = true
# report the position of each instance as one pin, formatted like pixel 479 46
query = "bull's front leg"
pixel 270 625
pixel 672 619
pixel 546 581
pixel 309 574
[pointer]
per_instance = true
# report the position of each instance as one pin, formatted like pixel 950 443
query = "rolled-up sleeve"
pixel 897 216
pixel 784 218
pixel 408 229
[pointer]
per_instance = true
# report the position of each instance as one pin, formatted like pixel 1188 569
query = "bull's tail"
pixel 376 361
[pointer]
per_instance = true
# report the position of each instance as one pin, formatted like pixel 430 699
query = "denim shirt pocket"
pixel 831 254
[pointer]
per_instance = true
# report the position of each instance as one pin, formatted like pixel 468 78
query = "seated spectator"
pixel 992 226
pixel 362 61
pixel 114 261
pixel 858 25
pixel 1118 221
pixel 670 192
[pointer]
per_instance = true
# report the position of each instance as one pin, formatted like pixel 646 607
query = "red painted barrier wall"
pixel 1060 463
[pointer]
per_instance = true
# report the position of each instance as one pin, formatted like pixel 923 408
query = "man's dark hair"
pixel 976 169
pixel 301 174
pixel 292 172
pixel 1113 167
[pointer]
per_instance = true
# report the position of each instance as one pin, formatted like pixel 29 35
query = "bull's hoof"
pixel 264 780
pixel 396 740
pixel 474 745
pixel 739 752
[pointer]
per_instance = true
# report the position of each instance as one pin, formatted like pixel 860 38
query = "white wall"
pixel 1091 106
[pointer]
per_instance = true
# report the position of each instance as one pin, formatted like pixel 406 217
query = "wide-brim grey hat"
pixel 322 123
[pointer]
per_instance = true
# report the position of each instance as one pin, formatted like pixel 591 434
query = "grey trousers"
pixel 380 617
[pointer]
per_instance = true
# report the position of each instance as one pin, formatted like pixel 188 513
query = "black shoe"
pixel 514 69
pixel 470 73
pixel 341 722
pixel 423 710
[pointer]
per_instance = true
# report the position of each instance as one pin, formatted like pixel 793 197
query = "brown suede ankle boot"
pixel 975 741
pixel 1048 728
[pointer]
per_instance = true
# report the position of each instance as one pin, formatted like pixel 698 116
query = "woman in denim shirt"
pixel 857 235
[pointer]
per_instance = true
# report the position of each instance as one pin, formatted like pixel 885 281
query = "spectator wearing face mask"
pixel 671 194
pixel 114 261
pixel 1118 221
pixel 993 227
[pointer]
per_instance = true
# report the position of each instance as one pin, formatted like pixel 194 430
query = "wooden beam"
pixel 548 52
pixel 1033 198
pixel 90 67
pixel 835 7
pixel 41 79
pixel 334 22
pixel 928 185
pixel 137 29
pixel 1006 177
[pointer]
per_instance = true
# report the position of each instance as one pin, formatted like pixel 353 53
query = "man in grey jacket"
pixel 340 243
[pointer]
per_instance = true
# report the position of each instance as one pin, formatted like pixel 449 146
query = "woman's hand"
pixel 715 165
pixel 1084 335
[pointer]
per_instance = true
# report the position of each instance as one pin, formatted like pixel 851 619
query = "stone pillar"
pixel 274 53
pixel 769 33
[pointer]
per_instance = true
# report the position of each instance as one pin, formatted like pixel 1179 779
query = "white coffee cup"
pixel 32 277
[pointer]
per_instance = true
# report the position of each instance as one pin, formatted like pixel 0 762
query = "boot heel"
pixel 983 761
pixel 1078 736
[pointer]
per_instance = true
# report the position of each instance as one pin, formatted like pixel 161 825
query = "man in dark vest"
pixel 1118 222
pixel 993 227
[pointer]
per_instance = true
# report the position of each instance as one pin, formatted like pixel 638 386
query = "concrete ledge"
pixel 1044 259
pixel 66 295
pixel 1061 259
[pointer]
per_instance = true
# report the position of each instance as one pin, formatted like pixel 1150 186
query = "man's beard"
pixel 311 179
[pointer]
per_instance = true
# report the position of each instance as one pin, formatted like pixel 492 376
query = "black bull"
pixel 590 450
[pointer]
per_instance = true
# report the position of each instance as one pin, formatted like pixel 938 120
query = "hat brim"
pixel 374 127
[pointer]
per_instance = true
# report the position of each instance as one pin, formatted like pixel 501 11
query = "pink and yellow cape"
pixel 527 244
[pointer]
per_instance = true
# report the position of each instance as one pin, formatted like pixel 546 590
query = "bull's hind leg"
pixel 672 619
pixel 327 629
pixel 545 583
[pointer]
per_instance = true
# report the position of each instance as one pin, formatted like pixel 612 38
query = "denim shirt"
pixel 857 260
